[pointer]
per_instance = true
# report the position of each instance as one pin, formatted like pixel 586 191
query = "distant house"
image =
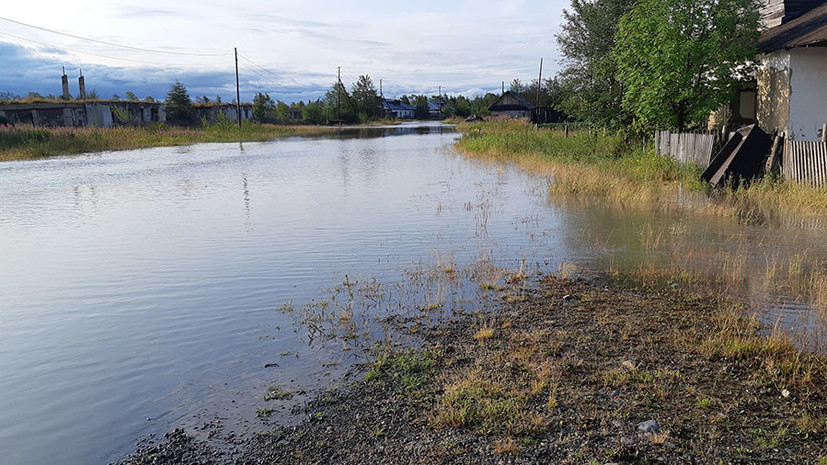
pixel 790 92
pixel 438 108
pixel 398 109
pixel 513 105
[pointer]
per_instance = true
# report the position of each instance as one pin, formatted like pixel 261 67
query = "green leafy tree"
pixel 462 107
pixel 131 97
pixel 480 105
pixel 338 104
pixel 366 99
pixel 587 40
pixel 420 107
pixel 314 112
pixel 264 108
pixel 518 87
pixel 179 105
pixel 681 59
pixel 282 111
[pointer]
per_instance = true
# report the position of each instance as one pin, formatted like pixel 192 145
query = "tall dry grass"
pixel 593 163
pixel 25 143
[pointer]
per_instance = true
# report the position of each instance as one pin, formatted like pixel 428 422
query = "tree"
pixel 282 111
pixel 314 113
pixel 179 105
pixel 681 59
pixel 420 106
pixel 365 98
pixel 517 87
pixel 264 108
pixel 131 96
pixel 339 105
pixel 586 41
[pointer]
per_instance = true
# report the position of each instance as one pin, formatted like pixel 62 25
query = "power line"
pixel 76 51
pixel 112 44
pixel 259 66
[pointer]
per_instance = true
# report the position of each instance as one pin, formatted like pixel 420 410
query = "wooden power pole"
pixel 539 84
pixel 338 90
pixel 237 91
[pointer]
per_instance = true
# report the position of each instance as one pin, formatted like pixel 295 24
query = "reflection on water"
pixel 139 290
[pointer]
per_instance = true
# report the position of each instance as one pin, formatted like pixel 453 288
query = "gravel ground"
pixel 566 371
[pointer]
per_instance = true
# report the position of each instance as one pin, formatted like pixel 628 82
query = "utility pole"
pixel 503 87
pixel 237 91
pixel 440 101
pixel 338 89
pixel 539 88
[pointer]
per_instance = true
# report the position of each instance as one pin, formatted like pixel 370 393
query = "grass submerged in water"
pixel 591 163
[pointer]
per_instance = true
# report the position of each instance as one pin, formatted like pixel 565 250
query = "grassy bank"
pixel 27 143
pixel 606 166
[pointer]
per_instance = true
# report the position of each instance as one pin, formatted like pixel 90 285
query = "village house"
pixel 397 109
pixel 789 95
pixel 513 105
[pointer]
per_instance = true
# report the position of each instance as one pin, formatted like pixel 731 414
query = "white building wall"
pixel 808 99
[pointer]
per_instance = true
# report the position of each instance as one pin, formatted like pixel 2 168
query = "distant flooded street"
pixel 146 290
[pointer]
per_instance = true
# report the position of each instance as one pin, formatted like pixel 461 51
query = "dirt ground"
pixel 565 371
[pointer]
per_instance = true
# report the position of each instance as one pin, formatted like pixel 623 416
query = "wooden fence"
pixel 686 147
pixel 805 162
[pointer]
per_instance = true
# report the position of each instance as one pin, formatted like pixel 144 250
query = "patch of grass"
pixel 507 446
pixel 275 392
pixel 264 412
pixel 409 370
pixel 704 402
pixel 484 334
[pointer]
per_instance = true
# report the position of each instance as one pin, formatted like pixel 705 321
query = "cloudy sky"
pixel 290 49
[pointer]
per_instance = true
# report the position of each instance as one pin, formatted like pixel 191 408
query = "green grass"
pixel 275 392
pixel 585 163
pixel 407 369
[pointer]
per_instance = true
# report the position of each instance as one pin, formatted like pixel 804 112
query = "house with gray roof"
pixel 398 109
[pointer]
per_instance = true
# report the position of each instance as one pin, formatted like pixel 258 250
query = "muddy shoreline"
pixel 564 371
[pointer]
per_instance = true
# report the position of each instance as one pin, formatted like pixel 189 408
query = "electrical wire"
pixel 67 49
pixel 259 66
pixel 76 51
pixel 112 44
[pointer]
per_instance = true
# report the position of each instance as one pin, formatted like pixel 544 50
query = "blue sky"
pixel 290 49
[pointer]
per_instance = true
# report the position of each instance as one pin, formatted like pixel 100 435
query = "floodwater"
pixel 146 290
